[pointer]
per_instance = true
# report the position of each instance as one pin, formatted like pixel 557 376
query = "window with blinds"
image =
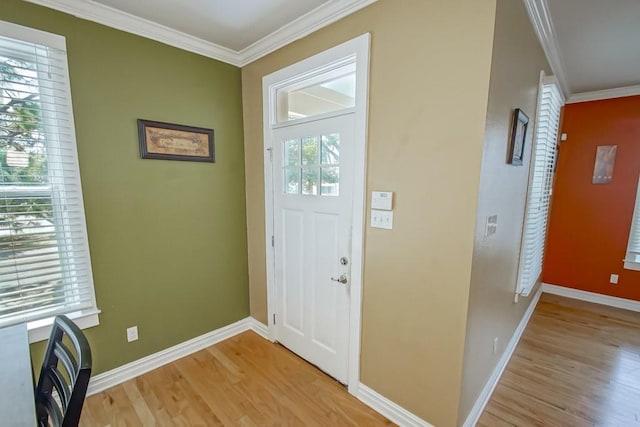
pixel 632 259
pixel 540 182
pixel 45 267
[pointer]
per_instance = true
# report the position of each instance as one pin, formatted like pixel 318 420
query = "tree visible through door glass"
pixel 311 165
pixel 310 150
pixel 330 185
pixel 310 181
pixel 292 152
pixel 330 149
pixel 292 180
pixel 330 155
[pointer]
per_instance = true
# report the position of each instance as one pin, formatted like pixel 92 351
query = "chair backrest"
pixel 64 377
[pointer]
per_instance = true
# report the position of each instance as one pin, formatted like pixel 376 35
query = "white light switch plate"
pixel 491 226
pixel 381 219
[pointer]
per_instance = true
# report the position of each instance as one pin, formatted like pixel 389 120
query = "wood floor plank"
pixel 577 364
pixel 281 371
pixel 139 404
pixel 243 381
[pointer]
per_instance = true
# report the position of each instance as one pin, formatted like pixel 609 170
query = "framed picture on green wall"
pixel 166 141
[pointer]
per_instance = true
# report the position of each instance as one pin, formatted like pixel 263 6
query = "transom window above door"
pixel 325 93
pixel 311 165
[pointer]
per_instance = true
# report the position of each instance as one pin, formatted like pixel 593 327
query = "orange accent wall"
pixel 589 223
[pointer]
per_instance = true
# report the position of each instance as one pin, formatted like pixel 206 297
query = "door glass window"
pixel 329 161
pixel 310 181
pixel 310 150
pixel 292 152
pixel 311 165
pixel 330 185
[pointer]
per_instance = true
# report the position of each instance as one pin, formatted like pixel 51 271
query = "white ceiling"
pixel 234 24
pixel 593 45
pixel 598 42
pixel 234 31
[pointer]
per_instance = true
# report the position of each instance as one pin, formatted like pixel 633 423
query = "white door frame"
pixel 358 48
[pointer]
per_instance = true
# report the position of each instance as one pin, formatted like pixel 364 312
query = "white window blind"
pixel 45 267
pixel 632 260
pixel 540 183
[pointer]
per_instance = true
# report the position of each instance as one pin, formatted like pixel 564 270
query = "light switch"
pixel 382 200
pixel 381 219
pixel 492 225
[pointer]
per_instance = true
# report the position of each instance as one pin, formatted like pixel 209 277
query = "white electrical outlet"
pixel 132 334
pixel 613 279
pixel 495 345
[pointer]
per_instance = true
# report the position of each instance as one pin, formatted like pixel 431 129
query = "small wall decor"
pixel 518 136
pixel 168 141
pixel 605 161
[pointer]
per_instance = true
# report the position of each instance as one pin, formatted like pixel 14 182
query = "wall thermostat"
pixel 382 200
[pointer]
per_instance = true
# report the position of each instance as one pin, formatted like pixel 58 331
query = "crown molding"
pixel 543 26
pixel 318 18
pixel 597 95
pixel 114 18
pixel 314 20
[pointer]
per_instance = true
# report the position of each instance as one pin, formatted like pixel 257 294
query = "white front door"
pixel 313 198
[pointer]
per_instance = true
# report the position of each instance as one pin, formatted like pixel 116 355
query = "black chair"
pixel 60 392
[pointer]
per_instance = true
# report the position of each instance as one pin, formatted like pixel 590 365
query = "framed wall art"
pixel 603 166
pixel 519 125
pixel 166 141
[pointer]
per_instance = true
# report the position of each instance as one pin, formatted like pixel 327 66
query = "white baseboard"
pixel 138 367
pixel 259 328
pixel 626 304
pixel 389 409
pixel 493 380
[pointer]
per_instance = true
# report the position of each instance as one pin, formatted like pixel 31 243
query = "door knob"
pixel 342 279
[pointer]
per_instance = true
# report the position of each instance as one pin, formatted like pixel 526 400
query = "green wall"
pixel 167 238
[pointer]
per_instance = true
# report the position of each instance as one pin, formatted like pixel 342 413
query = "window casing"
pixel 45 266
pixel 540 185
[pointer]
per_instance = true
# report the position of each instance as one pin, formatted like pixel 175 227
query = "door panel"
pixel 313 174
pixel 293 267
pixel 323 321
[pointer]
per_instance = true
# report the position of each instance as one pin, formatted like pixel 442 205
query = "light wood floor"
pixel 577 364
pixel 243 381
